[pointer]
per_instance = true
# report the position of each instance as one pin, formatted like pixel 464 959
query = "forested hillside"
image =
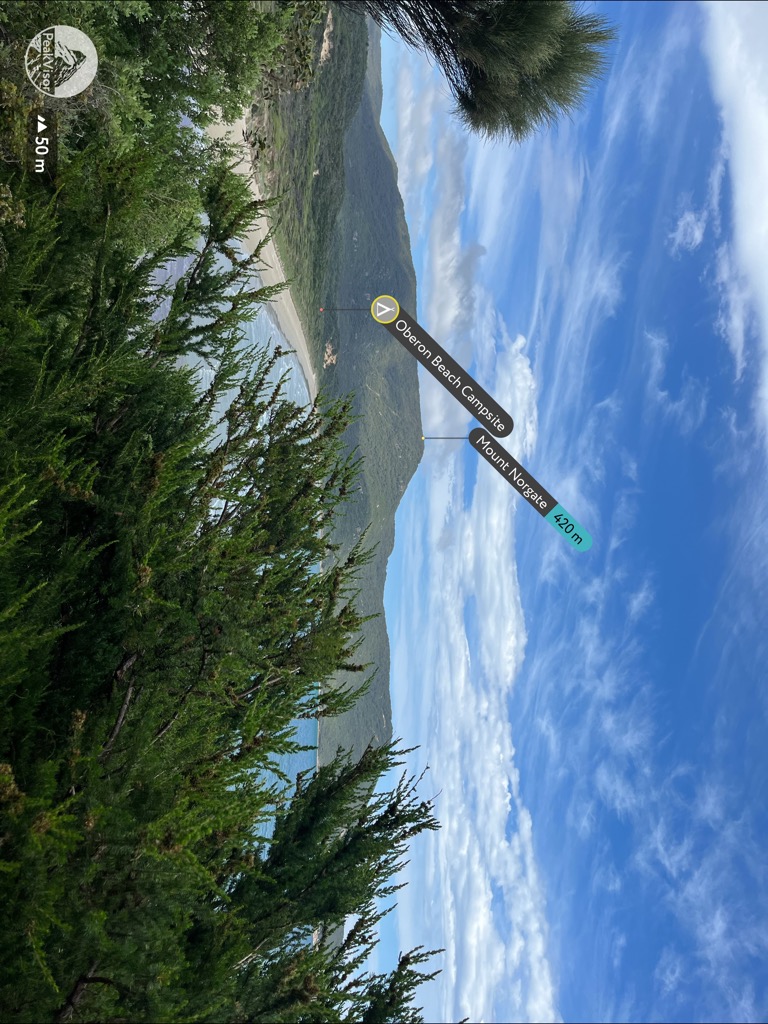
pixel 329 158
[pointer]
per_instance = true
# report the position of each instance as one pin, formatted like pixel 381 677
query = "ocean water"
pixel 262 333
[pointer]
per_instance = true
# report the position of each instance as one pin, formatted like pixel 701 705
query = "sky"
pixel 594 722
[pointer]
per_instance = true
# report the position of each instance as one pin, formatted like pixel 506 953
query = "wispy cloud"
pixel 734 47
pixel 475 883
pixel 599 721
pixel 736 316
pixel 669 972
pixel 640 601
pixel 490 912
pixel 599 725
pixel 632 94
pixel 688 410
pixel 692 224
pixel 689 232
pixel 417 97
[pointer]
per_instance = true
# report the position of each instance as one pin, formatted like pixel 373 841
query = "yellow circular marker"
pixel 385 309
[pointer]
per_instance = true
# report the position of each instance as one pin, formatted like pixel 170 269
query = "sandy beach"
pixel 271 272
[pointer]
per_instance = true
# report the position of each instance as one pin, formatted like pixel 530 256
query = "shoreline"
pixel 271 271
pixel 282 308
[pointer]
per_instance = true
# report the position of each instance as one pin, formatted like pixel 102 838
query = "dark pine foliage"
pixel 513 66
pixel 170 600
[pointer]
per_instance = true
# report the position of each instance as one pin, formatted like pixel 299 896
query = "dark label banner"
pixel 453 377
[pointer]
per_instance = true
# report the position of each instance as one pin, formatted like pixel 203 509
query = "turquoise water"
pixel 292 764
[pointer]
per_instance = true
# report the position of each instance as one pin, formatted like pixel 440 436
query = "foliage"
pixel 171 595
pixel 158 58
pixel 513 66
pixel 334 853
pixel 293 64
pixel 305 162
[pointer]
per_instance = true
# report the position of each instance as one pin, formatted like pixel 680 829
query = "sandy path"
pixel 272 270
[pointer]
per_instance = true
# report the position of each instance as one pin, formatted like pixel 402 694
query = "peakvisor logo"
pixel 61 61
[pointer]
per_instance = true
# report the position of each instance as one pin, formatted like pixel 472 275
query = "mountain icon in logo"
pixel 66 62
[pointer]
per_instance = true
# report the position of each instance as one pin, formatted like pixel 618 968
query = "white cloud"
pixel 496 965
pixel 453 697
pixel 670 971
pixel 497 176
pixel 715 187
pixel 736 307
pixel 640 601
pixel 418 97
pixel 736 315
pixel 490 912
pixel 669 61
pixel 616 790
pixel 689 409
pixel 710 803
pixel 451 270
pixel 636 91
pixel 689 231
pixel 735 49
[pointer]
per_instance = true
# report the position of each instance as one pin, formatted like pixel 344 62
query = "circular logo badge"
pixel 61 61
pixel 385 309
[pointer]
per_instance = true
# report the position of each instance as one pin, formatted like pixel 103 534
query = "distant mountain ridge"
pixel 343 238
pixel 373 80
pixel 374 255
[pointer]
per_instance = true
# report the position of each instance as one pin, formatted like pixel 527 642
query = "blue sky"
pixel 595 723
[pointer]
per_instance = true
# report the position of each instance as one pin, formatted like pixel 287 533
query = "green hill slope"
pixel 343 236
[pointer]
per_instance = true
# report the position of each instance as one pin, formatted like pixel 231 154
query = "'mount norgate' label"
pixel 455 378
pixel 530 489
pixel 510 468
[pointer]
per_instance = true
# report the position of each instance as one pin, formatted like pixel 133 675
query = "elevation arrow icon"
pixel 385 308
